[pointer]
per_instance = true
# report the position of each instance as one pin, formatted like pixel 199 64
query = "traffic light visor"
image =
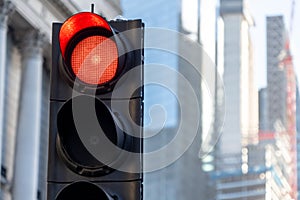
pixel 88 48
pixel 77 23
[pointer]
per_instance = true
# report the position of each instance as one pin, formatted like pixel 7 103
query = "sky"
pixel 259 10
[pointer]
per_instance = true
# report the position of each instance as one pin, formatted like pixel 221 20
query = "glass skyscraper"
pixel 184 179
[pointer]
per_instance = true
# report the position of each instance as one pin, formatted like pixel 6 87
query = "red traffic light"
pixel 89 62
pixel 92 142
pixel 88 49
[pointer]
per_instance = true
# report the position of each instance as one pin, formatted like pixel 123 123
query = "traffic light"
pixel 96 109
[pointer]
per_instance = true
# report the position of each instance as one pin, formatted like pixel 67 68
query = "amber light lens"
pixel 94 60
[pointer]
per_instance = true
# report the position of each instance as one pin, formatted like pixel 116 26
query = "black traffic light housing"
pixel 74 172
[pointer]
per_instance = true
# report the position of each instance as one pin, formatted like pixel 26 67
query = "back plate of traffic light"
pixel 72 172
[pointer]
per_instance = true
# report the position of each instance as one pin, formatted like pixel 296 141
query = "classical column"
pixel 25 184
pixel 6 7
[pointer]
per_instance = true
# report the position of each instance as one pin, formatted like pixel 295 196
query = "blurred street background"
pixel 248 138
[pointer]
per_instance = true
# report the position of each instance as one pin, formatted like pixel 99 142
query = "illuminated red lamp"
pixel 88 49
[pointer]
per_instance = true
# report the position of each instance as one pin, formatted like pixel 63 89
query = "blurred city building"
pixel 241 97
pixel 234 177
pixel 158 14
pixel 265 167
pixel 165 183
pixel 263 178
pixel 196 20
pixel 281 88
pixel 276 79
pixel 25 57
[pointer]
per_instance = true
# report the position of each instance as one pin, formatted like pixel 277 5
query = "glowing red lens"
pixel 94 60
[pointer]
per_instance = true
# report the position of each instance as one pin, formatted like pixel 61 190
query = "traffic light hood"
pixel 76 24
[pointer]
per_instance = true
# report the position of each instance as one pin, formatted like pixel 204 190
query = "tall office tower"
pixel 164 15
pixel 277 106
pixel 276 79
pixel 164 183
pixel 282 94
pixel 184 179
pixel 241 97
pixel 234 177
pixel 25 35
